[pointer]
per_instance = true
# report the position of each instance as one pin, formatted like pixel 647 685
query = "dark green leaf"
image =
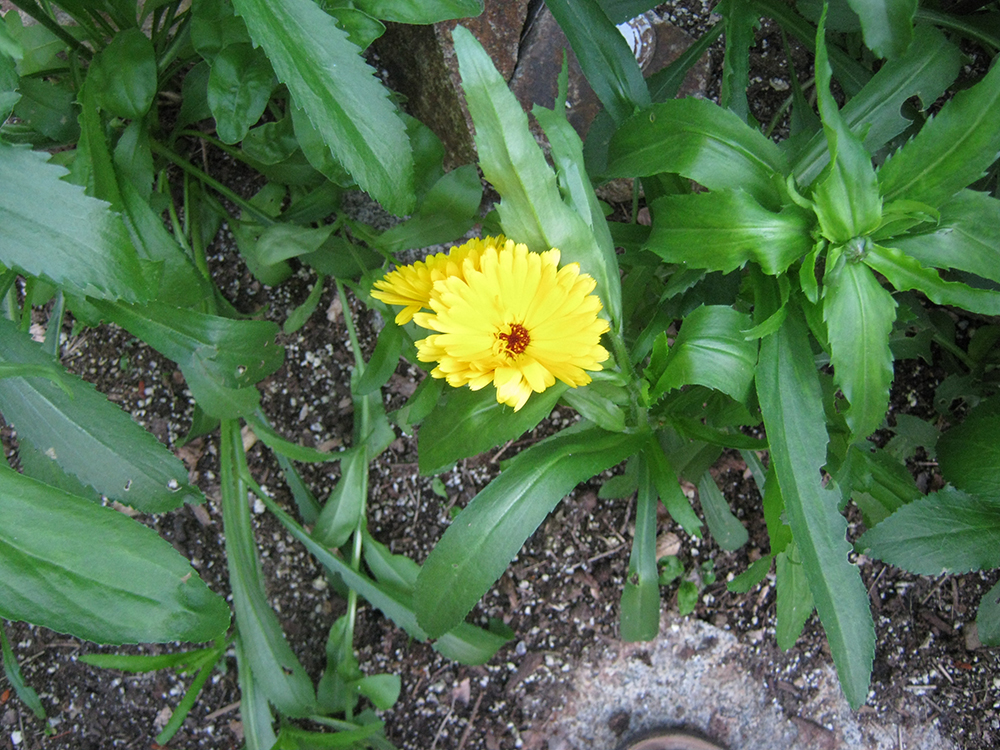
pixel 988 617
pixel 419 405
pixel 301 314
pixel 666 83
pixel 48 108
pixel 887 24
pixel 791 404
pixel 83 247
pixel 88 436
pixel 239 88
pixel 880 484
pixel 342 510
pixel 750 577
pixel 946 531
pixel 194 94
pixel 951 151
pixel 741 21
pixel 723 525
pixel 668 487
pixel 133 588
pixel 640 602
pixel 969 453
pixel 255 711
pixel 700 140
pixel 339 92
pixel 794 598
pixel 470 422
pixel 124 75
pixel 486 535
pixel 12 672
pixel 722 230
pixel 213 26
pixel 420 11
pixel 9 83
pixel 620 11
pixel 361 28
pixel 859 314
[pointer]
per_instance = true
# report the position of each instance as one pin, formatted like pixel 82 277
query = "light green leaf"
pixel 969 453
pixel 239 88
pixel 339 92
pixel 132 588
pixel 83 247
pixel 531 209
pixel 859 314
pixel 904 273
pixel 791 403
pixel 88 436
pixel 722 230
pixel 724 526
pixel 470 422
pixel 124 75
pixel 640 602
pixel 710 350
pixel 420 11
pixel 951 151
pixel 887 24
pixel 703 142
pixel 486 535
pixel 946 531
pixel 794 598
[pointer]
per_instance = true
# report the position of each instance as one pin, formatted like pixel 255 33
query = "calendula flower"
pixel 411 285
pixel 514 318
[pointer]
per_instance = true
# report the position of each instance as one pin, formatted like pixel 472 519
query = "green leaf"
pixel 951 151
pixel 640 602
pixel 791 403
pixel 48 108
pixel 595 407
pixel 969 453
pixel 270 437
pixel 750 577
pixel 272 661
pixel 486 535
pixel 213 26
pixel 447 212
pixel 859 315
pixel 12 671
pixel 470 422
pixel 794 598
pixel 741 21
pixel 722 230
pixel 88 436
pixel 239 88
pixel 531 209
pixel 846 200
pixel 929 66
pixel 83 247
pixel 703 142
pixel 604 55
pixel 887 24
pixel 124 75
pixel 988 617
pixel 138 663
pixel 340 514
pixel 9 83
pixel 946 531
pixel 255 711
pixel 132 588
pixel 420 11
pixel 710 350
pixel 339 92
pixel 724 526
pixel 361 28
pixel 904 272
pixel 669 489
pixel 687 597
pixel 880 484
pixel 966 237
pixel 666 83
pixel 301 314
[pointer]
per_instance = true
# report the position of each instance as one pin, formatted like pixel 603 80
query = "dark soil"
pixel 560 595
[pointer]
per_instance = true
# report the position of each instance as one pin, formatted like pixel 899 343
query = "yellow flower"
pixel 411 285
pixel 513 318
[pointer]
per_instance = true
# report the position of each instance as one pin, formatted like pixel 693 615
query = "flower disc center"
pixel 516 340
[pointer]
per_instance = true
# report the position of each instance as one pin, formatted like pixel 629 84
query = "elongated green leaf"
pixel 794 598
pixel 988 617
pixel 702 141
pixel 946 531
pixel 255 712
pixel 846 200
pixel 12 671
pixel 531 209
pixel 239 88
pixel 340 514
pixel 640 603
pixel 470 422
pixel 272 661
pixel 880 484
pixel 722 230
pixel 420 11
pixel 859 314
pixel 969 453
pixel 384 360
pixel 668 487
pixel 951 151
pixel 138 663
pixel 712 351
pixel 88 436
pixel 724 526
pixel 966 238
pixel 791 404
pixel 486 535
pixel 132 588
pixel 904 272
pixel 604 55
pixel 741 21
pixel 83 247
pixel 340 94
pixel 887 24
pixel 925 71
pixel 666 83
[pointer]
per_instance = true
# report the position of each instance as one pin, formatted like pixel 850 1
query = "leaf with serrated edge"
pixel 339 91
pixel 792 406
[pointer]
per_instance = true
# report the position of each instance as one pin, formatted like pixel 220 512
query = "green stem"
pixel 953 348
pixel 359 363
pixel 949 21
pixel 36 12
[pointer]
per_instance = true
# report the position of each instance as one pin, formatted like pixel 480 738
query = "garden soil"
pixel 566 681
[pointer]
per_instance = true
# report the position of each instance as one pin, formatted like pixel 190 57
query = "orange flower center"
pixel 516 340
